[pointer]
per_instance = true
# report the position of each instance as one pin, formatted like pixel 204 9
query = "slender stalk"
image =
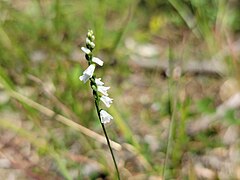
pixel 105 133
pixel 170 133
pixel 172 113
pixel 96 86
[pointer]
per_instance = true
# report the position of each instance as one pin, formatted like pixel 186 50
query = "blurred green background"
pixel 173 69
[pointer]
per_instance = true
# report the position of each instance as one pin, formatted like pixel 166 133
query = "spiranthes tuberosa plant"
pixel 99 90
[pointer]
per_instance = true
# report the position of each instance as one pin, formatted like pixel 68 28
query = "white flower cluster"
pixel 89 72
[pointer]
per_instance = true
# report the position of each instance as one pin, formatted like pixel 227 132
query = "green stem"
pixel 104 131
pixel 170 133
pixel 172 113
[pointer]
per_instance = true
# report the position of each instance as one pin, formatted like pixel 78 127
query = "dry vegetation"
pixel 173 67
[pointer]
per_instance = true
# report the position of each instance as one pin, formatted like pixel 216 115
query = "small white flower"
pixel 99 82
pixel 86 50
pixel 91 37
pixel 98 61
pixel 105 117
pixel 92 44
pixel 88 73
pixel 103 90
pixel 88 41
pixel 90 33
pixel 106 100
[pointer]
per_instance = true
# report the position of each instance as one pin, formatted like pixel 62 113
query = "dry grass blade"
pixel 48 112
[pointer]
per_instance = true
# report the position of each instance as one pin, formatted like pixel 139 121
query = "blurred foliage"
pixel 39 57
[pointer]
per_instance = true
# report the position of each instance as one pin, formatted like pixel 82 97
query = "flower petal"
pixel 88 73
pixel 97 61
pixel 90 70
pixel 89 42
pixel 105 117
pixel 103 90
pixel 99 82
pixel 84 78
pixel 85 50
pixel 106 100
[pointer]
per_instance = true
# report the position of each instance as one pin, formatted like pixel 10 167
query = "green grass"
pixel 38 72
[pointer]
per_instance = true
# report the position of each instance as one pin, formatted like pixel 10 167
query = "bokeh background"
pixel 173 68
